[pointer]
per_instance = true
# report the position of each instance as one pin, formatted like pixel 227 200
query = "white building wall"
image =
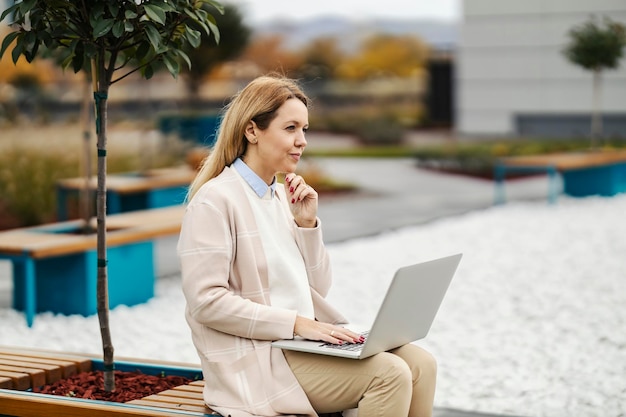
pixel 510 62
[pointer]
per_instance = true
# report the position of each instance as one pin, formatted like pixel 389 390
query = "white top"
pixel 288 281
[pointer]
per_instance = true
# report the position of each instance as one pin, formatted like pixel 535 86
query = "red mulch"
pixel 128 386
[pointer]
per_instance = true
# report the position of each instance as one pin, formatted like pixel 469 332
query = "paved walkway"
pixel 393 193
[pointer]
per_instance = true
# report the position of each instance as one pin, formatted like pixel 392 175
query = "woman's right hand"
pixel 326 332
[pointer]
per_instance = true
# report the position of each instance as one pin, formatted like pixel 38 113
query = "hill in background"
pixel 439 34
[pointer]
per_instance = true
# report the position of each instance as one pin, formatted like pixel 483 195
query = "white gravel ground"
pixel 533 323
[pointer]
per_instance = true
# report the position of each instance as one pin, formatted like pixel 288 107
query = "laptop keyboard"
pixel 355 347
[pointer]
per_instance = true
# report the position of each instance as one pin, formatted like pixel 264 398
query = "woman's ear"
pixel 250 132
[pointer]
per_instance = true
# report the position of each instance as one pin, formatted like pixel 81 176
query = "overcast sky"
pixel 261 10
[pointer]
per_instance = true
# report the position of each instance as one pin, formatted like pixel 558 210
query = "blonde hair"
pixel 258 102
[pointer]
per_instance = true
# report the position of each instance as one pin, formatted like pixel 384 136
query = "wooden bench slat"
pixel 134 226
pixel 53 372
pixel 21 380
pixel 174 400
pixel 6 383
pixel 174 406
pixel 67 368
pixel 25 404
pixel 190 388
pixel 37 376
pixel 83 364
pixel 177 393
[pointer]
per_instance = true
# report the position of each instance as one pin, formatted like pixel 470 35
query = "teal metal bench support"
pixel 501 170
pixel 67 284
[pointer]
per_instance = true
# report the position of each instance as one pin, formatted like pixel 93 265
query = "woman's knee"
pixel 421 362
pixel 394 370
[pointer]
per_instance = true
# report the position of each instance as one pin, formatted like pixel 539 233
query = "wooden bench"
pixel 63 264
pixel 584 173
pixel 155 188
pixel 184 397
pixel 34 368
pixel 28 369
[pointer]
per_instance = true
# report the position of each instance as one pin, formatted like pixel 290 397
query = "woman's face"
pixel 279 147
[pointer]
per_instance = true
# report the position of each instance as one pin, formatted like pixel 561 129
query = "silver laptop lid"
pixel 411 304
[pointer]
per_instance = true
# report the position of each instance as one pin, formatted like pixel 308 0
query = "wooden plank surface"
pixel 175 406
pixel 68 368
pixel 53 372
pixel 83 364
pixel 6 383
pixel 37 376
pixel 25 404
pixel 567 160
pixel 137 182
pixel 40 242
pixel 21 380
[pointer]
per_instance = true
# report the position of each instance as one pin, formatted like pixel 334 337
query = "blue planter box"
pixel 129 191
pixel 201 129
pixel 606 180
pixel 67 284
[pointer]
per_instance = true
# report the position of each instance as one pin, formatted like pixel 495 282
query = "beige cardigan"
pixel 225 282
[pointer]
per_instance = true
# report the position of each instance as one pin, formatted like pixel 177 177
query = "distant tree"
pixel 108 36
pixel 320 59
pixel 234 38
pixel 386 55
pixel 596 47
pixel 269 54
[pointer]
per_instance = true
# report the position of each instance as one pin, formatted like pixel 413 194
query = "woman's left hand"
pixel 302 200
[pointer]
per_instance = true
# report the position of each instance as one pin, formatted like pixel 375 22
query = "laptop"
pixel 405 315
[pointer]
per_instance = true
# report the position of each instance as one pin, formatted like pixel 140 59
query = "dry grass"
pixel 33 158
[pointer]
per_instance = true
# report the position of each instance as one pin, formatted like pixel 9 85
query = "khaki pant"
pixel 397 383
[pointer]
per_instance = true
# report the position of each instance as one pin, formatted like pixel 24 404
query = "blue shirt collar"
pixel 254 181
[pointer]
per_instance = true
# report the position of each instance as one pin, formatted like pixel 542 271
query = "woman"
pixel 255 269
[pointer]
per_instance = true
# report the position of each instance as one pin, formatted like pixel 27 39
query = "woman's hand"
pixel 315 330
pixel 302 200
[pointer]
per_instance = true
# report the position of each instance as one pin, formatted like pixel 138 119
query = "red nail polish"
pixel 291 189
pixel 293 200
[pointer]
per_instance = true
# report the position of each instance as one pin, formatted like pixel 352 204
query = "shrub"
pixel 28 178
pixel 27 182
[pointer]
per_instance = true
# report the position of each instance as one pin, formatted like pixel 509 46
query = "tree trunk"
pixel 101 98
pixel 85 208
pixel 596 117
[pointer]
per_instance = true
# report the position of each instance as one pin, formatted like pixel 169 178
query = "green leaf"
pixel 128 27
pixel 118 28
pixel 102 27
pixel 184 56
pixel 29 4
pixel 7 41
pixel 142 50
pixel 172 65
pixel 90 50
pixel 130 14
pixel 67 61
pixel 213 25
pixel 8 11
pixel 114 8
pixel 218 6
pixel 147 72
pixel 17 51
pixel 77 62
pixel 194 37
pixel 97 10
pixel 155 13
pixel 32 53
pixel 153 35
